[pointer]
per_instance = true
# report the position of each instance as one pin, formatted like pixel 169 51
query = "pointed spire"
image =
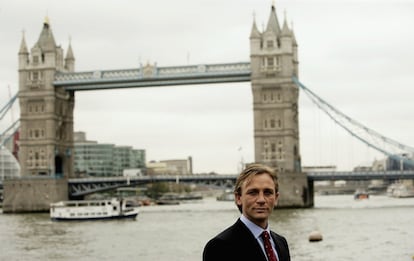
pixel 285 29
pixel 46 40
pixel 70 58
pixel 69 53
pixel 255 32
pixel 23 46
pixel 293 36
pixel 273 23
pixel 46 22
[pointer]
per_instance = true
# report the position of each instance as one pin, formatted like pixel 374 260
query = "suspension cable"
pixel 359 130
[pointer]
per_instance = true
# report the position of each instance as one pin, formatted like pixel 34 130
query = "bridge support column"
pixel 294 190
pixel 27 195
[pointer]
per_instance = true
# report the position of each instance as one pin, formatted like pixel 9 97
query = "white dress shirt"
pixel 257 231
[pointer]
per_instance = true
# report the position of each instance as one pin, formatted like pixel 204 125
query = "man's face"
pixel 258 198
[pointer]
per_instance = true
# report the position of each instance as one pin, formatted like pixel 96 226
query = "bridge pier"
pixel 295 190
pixel 26 195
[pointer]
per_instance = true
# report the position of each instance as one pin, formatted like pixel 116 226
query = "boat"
pixel 176 198
pixel 92 210
pixel 401 190
pixel 226 196
pixel 168 199
pixel 361 194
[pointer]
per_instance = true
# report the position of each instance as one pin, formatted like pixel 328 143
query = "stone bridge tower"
pixel 46 128
pixel 46 112
pixel 275 96
pixel 274 60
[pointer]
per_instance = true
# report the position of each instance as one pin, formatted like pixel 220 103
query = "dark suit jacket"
pixel 238 243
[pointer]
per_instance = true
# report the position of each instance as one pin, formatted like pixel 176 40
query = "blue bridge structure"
pixel 80 187
pixel 85 186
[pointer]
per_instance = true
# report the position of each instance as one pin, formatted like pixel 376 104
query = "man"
pixel 256 194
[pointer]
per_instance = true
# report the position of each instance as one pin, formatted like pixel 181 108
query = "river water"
pixel 380 228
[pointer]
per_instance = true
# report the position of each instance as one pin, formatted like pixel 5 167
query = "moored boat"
pixel 361 194
pixel 226 196
pixel 92 210
pixel 401 191
pixel 176 198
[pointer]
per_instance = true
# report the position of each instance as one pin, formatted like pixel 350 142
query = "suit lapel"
pixel 249 245
pixel 280 248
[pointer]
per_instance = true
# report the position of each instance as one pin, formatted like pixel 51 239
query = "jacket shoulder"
pixel 234 243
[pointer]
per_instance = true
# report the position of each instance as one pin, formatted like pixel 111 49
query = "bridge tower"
pixel 46 112
pixel 46 128
pixel 274 60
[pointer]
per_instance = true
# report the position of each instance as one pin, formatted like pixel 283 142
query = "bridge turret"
pixel 295 55
pixel 23 54
pixel 273 22
pixel 255 37
pixel 286 41
pixel 70 59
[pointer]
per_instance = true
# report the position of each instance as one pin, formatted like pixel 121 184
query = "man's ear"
pixel 276 198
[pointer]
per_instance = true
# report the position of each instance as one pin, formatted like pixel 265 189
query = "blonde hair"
pixel 249 172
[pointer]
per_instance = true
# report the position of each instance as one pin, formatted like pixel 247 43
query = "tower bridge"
pixel 48 83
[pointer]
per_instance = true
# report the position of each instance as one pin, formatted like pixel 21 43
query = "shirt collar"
pixel 255 229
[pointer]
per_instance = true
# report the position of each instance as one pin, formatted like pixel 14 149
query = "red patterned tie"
pixel 271 256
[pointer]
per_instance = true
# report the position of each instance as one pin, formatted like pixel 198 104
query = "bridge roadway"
pixel 152 75
pixel 83 186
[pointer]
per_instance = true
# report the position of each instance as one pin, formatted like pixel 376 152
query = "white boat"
pixel 401 191
pixel 92 210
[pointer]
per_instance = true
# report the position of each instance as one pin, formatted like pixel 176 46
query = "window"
pixel 270 61
pixel 35 76
pixel 270 43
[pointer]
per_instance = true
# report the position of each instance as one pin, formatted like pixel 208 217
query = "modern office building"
pixel 101 159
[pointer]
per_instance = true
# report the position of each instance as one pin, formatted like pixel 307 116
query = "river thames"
pixel 380 228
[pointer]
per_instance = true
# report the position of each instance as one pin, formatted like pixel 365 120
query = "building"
pixel 46 112
pixel 400 162
pixel 96 159
pixel 274 60
pixel 176 167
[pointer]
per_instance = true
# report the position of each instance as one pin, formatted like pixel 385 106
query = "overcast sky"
pixel 356 54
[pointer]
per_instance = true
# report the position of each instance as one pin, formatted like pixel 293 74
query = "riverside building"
pixel 104 160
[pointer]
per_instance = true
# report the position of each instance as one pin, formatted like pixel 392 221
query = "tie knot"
pixel 265 235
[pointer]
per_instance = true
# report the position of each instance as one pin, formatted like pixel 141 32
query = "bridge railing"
pixel 361 175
